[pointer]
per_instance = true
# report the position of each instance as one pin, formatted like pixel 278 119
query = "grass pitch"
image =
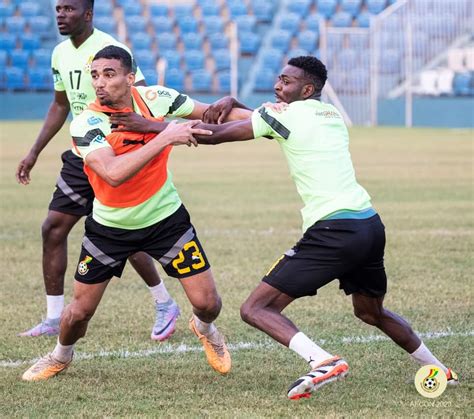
pixel 245 208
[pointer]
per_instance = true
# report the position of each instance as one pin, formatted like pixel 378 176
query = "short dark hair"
pixel 113 52
pixel 89 4
pixel 313 68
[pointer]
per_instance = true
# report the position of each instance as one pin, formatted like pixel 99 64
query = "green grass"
pixel 246 211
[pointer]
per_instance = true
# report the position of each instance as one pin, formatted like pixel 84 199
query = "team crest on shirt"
pixel 88 66
pixel 83 267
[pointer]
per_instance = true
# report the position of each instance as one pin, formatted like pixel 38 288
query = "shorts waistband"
pixel 351 215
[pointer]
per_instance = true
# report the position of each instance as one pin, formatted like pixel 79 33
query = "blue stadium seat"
pixel 103 8
pixel 347 58
pixel 29 9
pixel 290 22
pixel 223 78
pixel 201 80
pixel 363 20
pixel 188 24
pixel 20 58
pixel 297 52
pixel 337 80
pixel 281 40
pixel 192 40
pixel 6 10
pixel 194 59
pixel 145 58
pixel 390 61
pixel 42 58
pixel 175 79
pixel 182 10
pixel 300 7
pixel 272 58
pixel 15 78
pixel 162 24
pixel 15 24
pixel 341 20
pixel 40 79
pixel 132 9
pixel 376 6
pixel 246 23
pixel 40 25
pixel 3 58
pixel 461 84
pixel 308 40
pixel 210 9
pixel 237 8
pixel 327 7
pixel 358 81
pixel 249 43
pixel 141 40
pixel 29 41
pixel 166 41
pixel 263 11
pixel 7 41
pixel 158 10
pixel 265 79
pixel 222 59
pixel 105 24
pixel 218 40
pixel 135 23
pixel 351 6
pixel 150 76
pixel 313 21
pixel 213 24
pixel 173 59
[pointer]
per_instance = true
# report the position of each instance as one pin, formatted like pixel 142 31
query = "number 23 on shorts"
pixel 196 256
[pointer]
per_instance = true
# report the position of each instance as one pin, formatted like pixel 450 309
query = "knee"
pixel 51 230
pixel 366 316
pixel 77 313
pixel 210 306
pixel 248 313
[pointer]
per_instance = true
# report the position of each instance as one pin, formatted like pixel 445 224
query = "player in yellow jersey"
pixel 73 197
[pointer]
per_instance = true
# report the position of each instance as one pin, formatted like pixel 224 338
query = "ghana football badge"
pixel 88 66
pixel 430 381
pixel 83 267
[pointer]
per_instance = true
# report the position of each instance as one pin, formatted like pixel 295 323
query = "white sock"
pixel 306 348
pixel 206 329
pixel 63 353
pixel 424 357
pixel 54 306
pixel 160 293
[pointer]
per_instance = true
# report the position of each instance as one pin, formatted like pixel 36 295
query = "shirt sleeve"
pixel 164 101
pixel 268 123
pixel 89 134
pixel 57 80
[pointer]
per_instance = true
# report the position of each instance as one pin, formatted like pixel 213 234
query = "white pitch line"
pixel 233 347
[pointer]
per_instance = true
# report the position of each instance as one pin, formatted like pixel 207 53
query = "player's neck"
pixel 126 102
pixel 79 39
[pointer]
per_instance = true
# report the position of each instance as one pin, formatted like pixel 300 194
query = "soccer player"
pixel 73 197
pixel 343 236
pixel 137 208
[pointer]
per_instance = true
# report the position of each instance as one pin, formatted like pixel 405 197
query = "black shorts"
pixel 349 250
pixel 73 194
pixel 172 242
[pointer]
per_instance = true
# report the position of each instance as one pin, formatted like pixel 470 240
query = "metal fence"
pixel 382 61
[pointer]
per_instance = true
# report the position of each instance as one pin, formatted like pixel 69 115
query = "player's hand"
pixel 276 107
pixel 24 167
pixel 130 122
pixel 178 134
pixel 218 111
